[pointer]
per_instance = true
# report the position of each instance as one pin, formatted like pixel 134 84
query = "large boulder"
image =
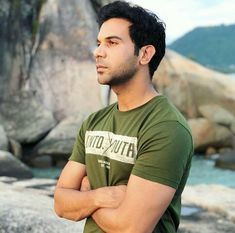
pixel 190 85
pixel 217 114
pixel 206 133
pixel 48 50
pixel 61 139
pixel 62 72
pixel 17 43
pixel 3 139
pixel 12 167
pixel 25 119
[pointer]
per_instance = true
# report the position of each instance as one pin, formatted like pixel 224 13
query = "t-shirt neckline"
pixel 125 113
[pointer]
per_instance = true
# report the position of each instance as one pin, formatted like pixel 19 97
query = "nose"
pixel 99 51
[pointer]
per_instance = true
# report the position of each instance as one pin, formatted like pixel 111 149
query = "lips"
pixel 100 67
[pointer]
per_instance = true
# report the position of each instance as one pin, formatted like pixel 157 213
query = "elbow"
pixel 58 211
pixel 57 206
pixel 67 215
pixel 61 210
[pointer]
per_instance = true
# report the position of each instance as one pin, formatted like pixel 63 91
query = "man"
pixel 131 160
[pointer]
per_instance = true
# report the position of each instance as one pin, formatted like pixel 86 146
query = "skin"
pixel 116 208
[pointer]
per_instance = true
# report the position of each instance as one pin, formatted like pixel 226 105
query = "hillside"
pixel 213 47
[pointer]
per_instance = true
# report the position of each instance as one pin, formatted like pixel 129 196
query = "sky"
pixel 182 16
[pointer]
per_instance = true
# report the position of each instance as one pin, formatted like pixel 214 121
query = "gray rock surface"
pixel 15 148
pixel 25 119
pixel 214 198
pixel 17 43
pixel 29 211
pixel 48 50
pixel 206 222
pixel 226 161
pixel 61 139
pixel 3 139
pixel 11 166
pixel 26 206
pixel 63 73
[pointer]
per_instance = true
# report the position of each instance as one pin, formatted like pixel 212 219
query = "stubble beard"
pixel 122 76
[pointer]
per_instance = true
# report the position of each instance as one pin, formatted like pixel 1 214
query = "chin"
pixel 103 80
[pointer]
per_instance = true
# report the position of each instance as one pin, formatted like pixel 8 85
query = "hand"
pixel 85 185
pixel 111 196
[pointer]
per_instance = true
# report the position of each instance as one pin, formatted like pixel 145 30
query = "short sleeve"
pixel 164 152
pixel 78 153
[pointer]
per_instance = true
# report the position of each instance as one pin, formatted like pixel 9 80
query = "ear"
pixel 146 53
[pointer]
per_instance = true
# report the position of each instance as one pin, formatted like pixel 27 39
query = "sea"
pixel 202 171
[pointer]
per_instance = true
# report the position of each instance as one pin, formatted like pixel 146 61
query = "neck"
pixel 134 93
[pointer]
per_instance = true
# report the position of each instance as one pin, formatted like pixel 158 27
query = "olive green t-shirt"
pixel 152 141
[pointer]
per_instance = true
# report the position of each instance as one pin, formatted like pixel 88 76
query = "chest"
pixel 111 148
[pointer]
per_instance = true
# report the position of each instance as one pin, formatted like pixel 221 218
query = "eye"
pixel 112 43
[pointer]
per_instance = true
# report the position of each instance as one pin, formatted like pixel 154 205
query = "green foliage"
pixel 211 46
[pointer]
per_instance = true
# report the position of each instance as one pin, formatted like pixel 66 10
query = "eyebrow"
pixel 111 37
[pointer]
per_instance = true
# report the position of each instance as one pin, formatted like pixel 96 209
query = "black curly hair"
pixel 146 28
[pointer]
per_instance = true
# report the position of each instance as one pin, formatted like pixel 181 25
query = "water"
pixel 232 75
pixel 52 173
pixel 202 172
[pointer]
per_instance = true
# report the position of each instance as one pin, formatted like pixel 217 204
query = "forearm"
pixel 122 220
pixel 73 204
pixel 112 220
pixel 76 205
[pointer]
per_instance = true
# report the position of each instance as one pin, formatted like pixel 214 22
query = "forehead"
pixel 114 27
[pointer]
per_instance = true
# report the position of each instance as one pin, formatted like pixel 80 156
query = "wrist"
pixel 96 197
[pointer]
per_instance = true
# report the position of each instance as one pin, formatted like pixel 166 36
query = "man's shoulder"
pixel 164 112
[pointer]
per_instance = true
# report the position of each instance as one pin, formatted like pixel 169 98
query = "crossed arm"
pixel 135 208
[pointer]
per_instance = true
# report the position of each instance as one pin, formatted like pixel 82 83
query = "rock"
pixel 43 161
pixel 11 166
pixel 226 161
pixel 210 151
pixel 27 206
pixel 3 139
pixel 225 150
pixel 25 119
pixel 27 210
pixel 216 114
pixel 190 85
pixel 233 127
pixel 214 198
pixel 15 148
pixel 206 134
pixel 206 222
pixel 61 139
pixel 63 73
pixel 48 50
pixel 7 179
pixel 17 43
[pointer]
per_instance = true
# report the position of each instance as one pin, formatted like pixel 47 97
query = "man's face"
pixel 115 60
